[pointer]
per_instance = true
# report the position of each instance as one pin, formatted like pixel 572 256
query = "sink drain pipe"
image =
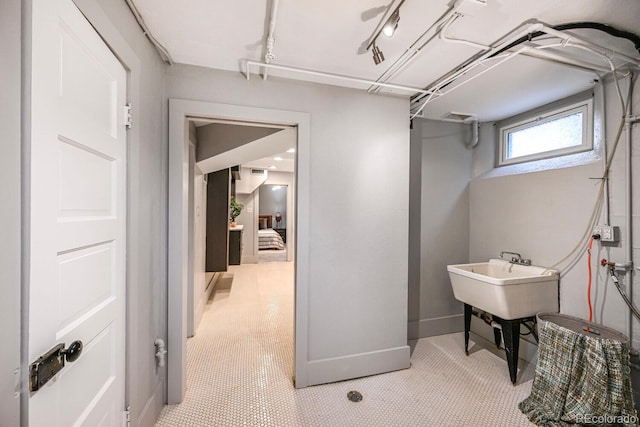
pixel 487 318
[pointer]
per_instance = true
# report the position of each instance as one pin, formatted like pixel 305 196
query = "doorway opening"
pixel 240 281
pixel 183 115
pixel 272 222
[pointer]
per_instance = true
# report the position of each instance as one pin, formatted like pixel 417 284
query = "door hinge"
pixel 127 417
pixel 128 116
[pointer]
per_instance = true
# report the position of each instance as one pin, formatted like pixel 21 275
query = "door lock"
pixel 52 362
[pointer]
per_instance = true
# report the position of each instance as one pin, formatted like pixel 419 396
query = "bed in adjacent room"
pixel 268 238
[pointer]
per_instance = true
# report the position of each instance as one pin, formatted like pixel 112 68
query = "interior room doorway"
pixel 181 111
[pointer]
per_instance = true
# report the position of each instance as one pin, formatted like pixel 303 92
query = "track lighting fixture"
pixel 388 29
pixel 378 57
pixel 390 26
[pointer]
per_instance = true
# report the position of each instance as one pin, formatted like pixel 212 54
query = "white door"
pixel 78 228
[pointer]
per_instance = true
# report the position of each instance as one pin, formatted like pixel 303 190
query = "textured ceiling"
pixel 331 36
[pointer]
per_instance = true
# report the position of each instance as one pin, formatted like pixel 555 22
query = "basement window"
pixel 545 133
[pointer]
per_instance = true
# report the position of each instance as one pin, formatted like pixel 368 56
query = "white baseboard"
pixel 152 407
pixel 357 365
pixel 437 326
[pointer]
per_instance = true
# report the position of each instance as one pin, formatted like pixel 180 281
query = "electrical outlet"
pixel 608 233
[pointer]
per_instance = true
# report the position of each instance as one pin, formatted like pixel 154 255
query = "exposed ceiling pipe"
pixel 408 89
pixel 569 40
pixel 436 89
pixel 465 67
pixel 269 55
pixel 444 22
pixel 474 134
pixel 633 38
pixel 540 52
pixel 576 40
pixel 628 235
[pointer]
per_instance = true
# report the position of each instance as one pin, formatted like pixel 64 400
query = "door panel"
pixel 78 224
pixel 85 182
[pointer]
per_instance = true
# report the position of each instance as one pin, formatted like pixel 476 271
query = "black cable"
pixel 634 38
pixel 531 330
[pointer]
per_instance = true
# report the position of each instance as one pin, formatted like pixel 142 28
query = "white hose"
pixel 465 42
pixel 605 176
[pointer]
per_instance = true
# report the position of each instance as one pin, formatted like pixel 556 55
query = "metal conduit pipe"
pixel 540 53
pixel 248 64
pixel 269 56
pixel 576 40
pixel 474 61
pixel 535 27
pixel 569 40
pixel 629 120
pixel 628 207
pixel 424 104
pixel 584 25
pixel 474 134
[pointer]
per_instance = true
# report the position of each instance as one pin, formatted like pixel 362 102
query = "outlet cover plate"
pixel 608 233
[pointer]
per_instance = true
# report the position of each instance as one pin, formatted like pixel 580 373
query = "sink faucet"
pixel 517 259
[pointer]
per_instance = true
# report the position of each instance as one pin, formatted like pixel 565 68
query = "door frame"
pixel 179 112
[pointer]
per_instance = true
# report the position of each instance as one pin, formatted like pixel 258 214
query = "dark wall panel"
pixel 218 221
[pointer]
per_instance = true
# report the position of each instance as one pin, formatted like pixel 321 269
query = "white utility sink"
pixel 510 291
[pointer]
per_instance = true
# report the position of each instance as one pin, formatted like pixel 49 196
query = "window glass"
pixel 554 133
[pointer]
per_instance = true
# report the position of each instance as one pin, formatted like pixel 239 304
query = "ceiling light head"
pixel 378 57
pixel 291 150
pixel 272 167
pixel 392 24
pixel 277 159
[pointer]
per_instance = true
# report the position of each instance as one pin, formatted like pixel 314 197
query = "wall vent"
pixel 258 171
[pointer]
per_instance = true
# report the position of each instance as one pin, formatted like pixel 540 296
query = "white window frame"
pixel 538 116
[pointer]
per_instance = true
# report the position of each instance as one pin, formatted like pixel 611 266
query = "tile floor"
pixel 240 365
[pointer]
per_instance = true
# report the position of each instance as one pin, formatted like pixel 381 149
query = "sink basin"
pixel 506 290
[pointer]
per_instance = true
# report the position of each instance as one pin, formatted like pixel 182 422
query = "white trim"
pixel 535 118
pixel 179 110
pixel 358 365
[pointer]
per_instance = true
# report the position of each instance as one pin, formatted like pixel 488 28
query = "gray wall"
pixel 358 267
pixel 274 201
pixel 439 233
pixel 10 212
pixel 147 204
pixel 542 215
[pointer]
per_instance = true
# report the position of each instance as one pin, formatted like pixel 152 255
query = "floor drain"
pixel 354 396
